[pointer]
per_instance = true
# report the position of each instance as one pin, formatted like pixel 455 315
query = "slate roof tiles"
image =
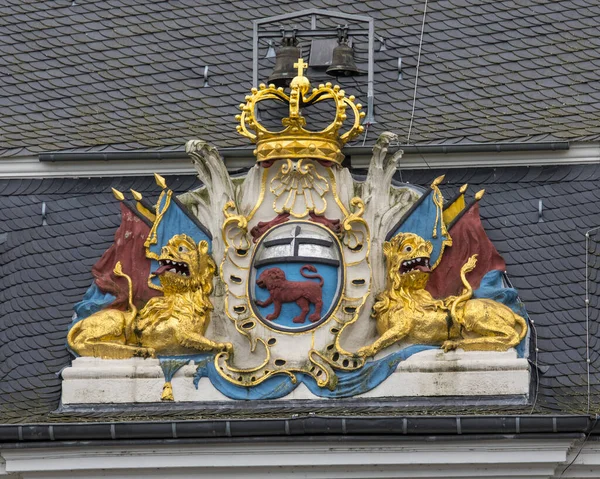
pixel 124 75
pixel 46 269
pixel 546 262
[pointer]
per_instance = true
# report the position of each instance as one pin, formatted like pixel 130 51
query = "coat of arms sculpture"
pixel 297 272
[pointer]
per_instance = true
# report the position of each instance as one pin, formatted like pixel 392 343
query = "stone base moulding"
pixel 431 373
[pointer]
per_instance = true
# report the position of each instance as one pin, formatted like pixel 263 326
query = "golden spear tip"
pixel 438 180
pixel 118 195
pixel 464 187
pixel 136 195
pixel 479 195
pixel 160 181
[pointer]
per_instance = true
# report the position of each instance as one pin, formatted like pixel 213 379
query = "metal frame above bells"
pixel 261 31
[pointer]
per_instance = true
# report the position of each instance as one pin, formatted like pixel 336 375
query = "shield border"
pixel 337 300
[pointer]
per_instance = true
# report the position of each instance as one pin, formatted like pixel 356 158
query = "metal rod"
pixel 313 11
pixel 255 54
pixel 412 115
pixel 313 33
pixel 370 78
pixel 349 150
pixel 587 317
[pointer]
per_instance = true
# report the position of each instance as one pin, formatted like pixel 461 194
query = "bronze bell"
pixel 284 71
pixel 342 61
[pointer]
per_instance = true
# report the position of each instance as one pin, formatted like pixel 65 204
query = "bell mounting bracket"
pixel 356 25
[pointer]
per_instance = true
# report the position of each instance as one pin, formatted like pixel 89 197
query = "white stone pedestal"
pixel 431 373
pixel 457 373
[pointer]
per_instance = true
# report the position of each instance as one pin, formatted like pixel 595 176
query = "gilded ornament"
pixel 160 181
pixel 168 325
pixel 118 194
pixel 354 237
pixel 299 189
pixel 235 229
pixel 405 311
pixel 295 142
pixel 141 207
pixel 301 248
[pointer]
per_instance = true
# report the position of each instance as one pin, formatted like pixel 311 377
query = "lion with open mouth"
pixel 173 324
pixel 406 311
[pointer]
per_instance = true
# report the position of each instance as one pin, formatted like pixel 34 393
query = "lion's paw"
pixel 449 345
pixel 227 347
pixel 144 353
pixel 366 352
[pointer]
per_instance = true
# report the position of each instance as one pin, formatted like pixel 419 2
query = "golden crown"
pixel 294 141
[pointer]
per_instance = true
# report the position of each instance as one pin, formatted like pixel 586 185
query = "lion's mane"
pixel 403 291
pixel 186 298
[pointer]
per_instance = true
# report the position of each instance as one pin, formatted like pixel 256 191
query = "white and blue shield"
pixel 297 276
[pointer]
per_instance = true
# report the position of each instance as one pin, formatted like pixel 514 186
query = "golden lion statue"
pixel 172 324
pixel 406 311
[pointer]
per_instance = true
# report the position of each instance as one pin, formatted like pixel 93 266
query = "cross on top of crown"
pixel 300 65
pixel 295 141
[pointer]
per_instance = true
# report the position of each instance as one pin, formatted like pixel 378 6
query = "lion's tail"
pixel 133 310
pixel 468 291
pixel 312 269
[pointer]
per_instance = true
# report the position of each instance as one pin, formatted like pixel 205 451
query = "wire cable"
pixel 536 367
pixel 587 436
pixel 412 115
pixel 535 345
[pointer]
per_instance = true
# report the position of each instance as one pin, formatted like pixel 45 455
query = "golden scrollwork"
pixel 299 189
pixel 235 229
pixel 249 376
pixel 168 325
pixel 354 238
pixel 321 360
pixel 406 311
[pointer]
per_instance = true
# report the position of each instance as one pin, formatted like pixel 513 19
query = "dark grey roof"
pixel 45 269
pixel 129 75
pixel 545 261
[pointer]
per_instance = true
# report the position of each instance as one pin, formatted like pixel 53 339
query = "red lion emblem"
pixel 303 293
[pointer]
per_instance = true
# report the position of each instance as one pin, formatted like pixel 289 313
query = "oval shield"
pixel 297 276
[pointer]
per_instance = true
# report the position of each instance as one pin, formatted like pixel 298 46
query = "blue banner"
pixel 173 219
pixel 350 383
pixel 492 287
pixel 426 219
pixel 93 301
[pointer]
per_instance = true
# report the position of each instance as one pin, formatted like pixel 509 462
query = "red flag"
pixel 468 238
pixel 128 248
